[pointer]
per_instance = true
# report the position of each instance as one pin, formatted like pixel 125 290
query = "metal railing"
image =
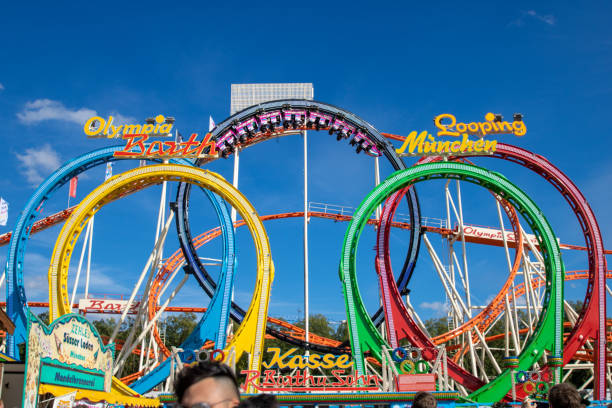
pixel 347 210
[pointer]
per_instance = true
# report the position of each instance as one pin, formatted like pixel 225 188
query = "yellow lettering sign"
pixel 313 361
pixel 424 143
pixel 99 127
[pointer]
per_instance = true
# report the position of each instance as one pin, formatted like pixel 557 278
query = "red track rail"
pixel 592 320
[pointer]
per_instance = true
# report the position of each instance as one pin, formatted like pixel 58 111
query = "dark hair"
pixel 194 373
pixel 564 396
pixel 424 399
pixel 500 404
pixel 260 401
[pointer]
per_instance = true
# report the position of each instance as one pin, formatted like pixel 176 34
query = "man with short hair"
pixel 207 384
pixel 564 396
pixel 424 399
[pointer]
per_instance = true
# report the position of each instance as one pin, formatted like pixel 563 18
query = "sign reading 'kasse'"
pixel 290 371
pixel 68 353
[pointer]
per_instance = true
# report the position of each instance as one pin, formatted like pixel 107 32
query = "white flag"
pixel 211 124
pixel 3 212
pixel 109 171
pixel 65 401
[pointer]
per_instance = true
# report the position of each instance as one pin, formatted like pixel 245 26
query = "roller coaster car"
pixel 341 127
pixel 226 150
pixel 293 118
pixel 247 129
pixel 226 142
pixel 270 122
pixel 357 139
pixel 317 120
pixel 372 150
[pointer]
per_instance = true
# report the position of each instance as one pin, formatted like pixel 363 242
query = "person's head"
pixel 564 396
pixel 500 404
pixel 262 401
pixel 424 399
pixel 207 382
pixel 528 403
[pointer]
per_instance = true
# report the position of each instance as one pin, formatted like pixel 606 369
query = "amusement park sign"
pixel 100 127
pixel 301 379
pixel 425 144
pixel 138 146
pixel 135 148
pixel 68 353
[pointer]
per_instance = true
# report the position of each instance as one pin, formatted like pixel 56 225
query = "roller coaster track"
pixel 277 118
pixel 176 261
pixel 400 324
pixel 299 333
pixel 547 334
pixel 15 290
pixel 249 336
pixel 591 321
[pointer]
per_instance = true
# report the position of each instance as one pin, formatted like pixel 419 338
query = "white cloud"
pixel 1 87
pixel 38 162
pixel 119 119
pixel 548 19
pixel 36 267
pixel 438 307
pixel 47 109
pixel 545 18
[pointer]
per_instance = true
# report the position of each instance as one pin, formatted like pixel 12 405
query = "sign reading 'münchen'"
pixel 425 144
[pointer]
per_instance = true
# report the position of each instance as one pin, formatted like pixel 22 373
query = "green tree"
pixel 178 327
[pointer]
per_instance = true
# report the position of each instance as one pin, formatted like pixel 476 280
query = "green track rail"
pixel 547 335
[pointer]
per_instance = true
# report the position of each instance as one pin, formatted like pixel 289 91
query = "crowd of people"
pixel 214 385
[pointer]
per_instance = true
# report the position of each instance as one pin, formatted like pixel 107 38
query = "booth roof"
pixel 96 396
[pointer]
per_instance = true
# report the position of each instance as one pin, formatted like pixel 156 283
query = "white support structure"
pixel 306 283
pixel 85 246
pixel 235 179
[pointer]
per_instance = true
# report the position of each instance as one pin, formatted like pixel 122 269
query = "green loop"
pixel 422 363
pixel 547 335
pixel 542 387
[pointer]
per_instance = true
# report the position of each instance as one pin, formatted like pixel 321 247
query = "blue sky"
pixel 395 65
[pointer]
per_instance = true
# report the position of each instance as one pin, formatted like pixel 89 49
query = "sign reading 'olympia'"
pixel 138 145
pixel 68 353
pixel 425 144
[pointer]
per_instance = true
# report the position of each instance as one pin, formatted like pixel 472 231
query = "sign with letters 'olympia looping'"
pixel 68 353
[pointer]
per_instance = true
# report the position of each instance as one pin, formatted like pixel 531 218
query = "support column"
pixel 306 303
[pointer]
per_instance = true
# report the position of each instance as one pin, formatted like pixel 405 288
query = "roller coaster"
pixel 530 306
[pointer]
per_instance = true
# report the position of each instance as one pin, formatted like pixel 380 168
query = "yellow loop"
pixel 407 367
pixel 250 335
pixel 531 385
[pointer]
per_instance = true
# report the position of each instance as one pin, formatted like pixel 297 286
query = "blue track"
pixel 216 318
pixel 213 325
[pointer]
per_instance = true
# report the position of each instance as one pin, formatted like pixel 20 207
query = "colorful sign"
pixel 136 148
pixel 64 401
pixel 54 374
pixel 495 234
pixel 69 353
pixel 425 144
pixel 307 374
pixel 99 127
pixel 107 305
